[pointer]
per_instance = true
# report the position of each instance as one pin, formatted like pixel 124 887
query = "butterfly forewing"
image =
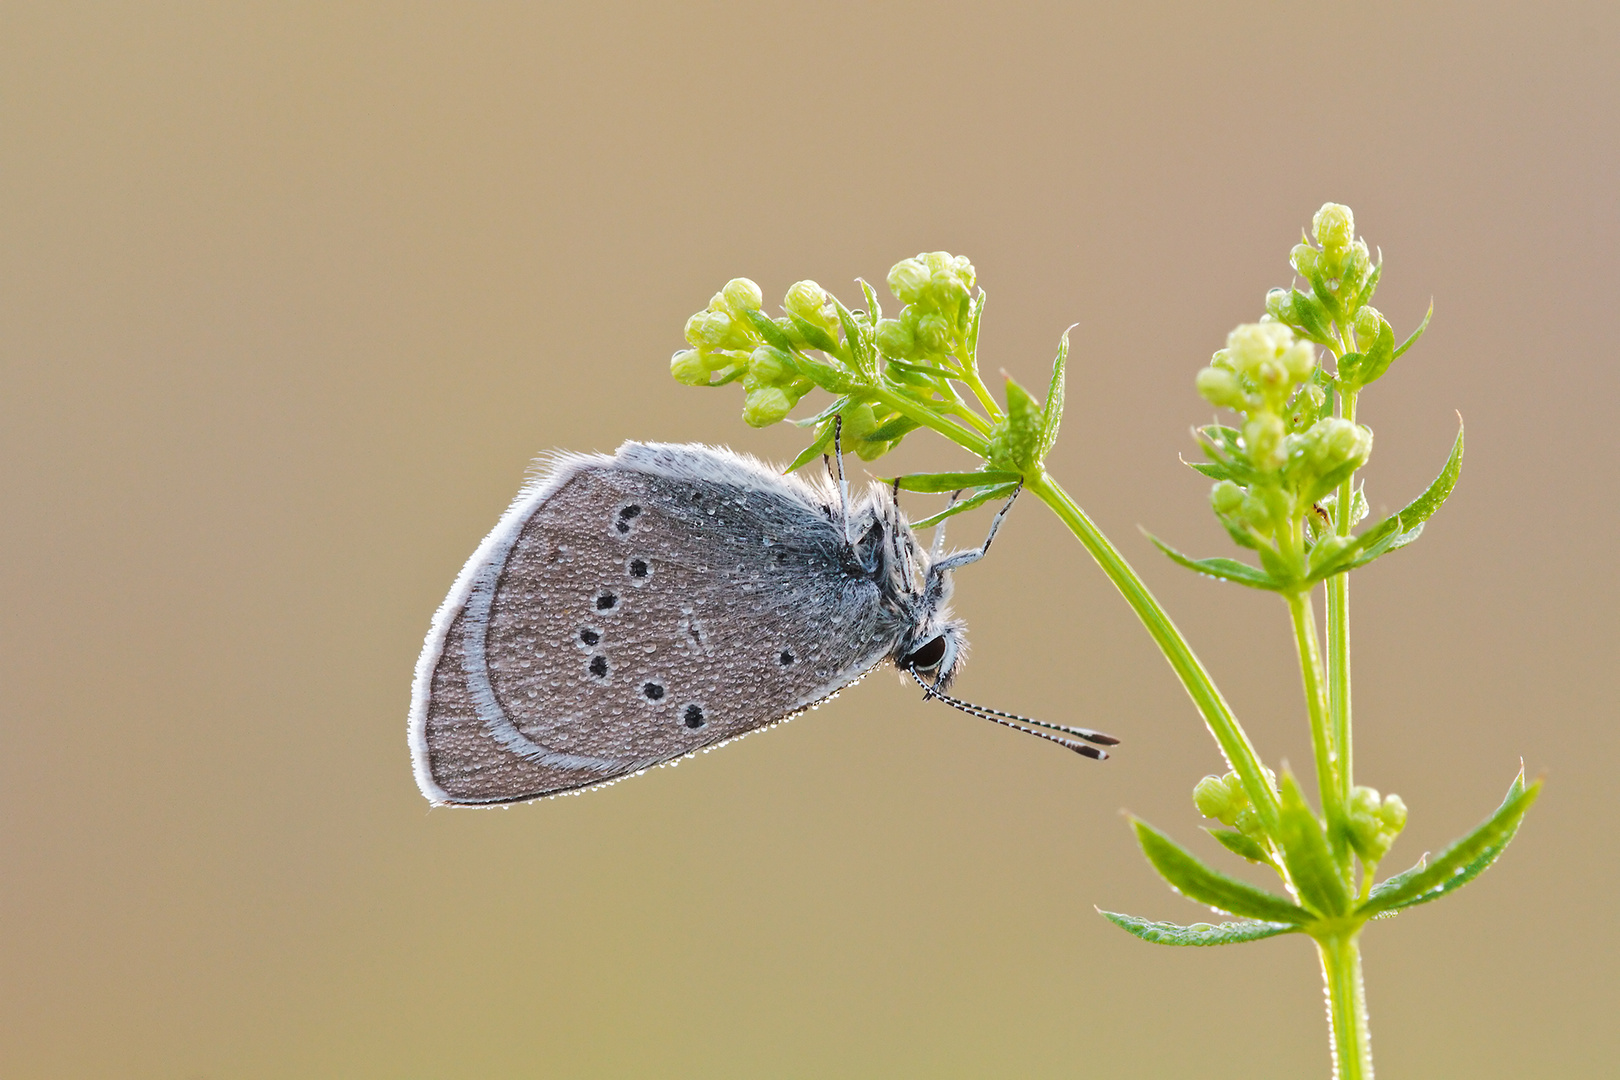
pixel 631 610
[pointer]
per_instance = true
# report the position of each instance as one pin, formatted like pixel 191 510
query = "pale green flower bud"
pixel 688 367
pixel 933 334
pixel 766 406
pixel 907 280
pixel 1299 360
pixel 808 301
pixel 742 295
pixel 948 288
pixel 1368 322
pixel 936 261
pixel 1334 441
pixel 1252 344
pixel 1392 814
pixel 1263 438
pixel 1212 798
pixel 770 366
pixel 1256 513
pixel 1305 259
pixel 1357 265
pixel 1334 226
pixel 1280 305
pixel 895 338
pixel 1222 389
pixel 1225 497
pixel 708 329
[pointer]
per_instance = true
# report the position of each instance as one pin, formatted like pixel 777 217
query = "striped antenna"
pixel 1016 722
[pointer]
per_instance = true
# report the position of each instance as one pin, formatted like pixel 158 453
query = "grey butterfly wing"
pixel 630 610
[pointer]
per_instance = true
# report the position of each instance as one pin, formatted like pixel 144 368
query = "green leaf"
pixel 1198 882
pixel 815 336
pixel 934 483
pixel 874 310
pixel 1398 530
pixel 1424 325
pixel 834 379
pixel 1350 369
pixel 1018 441
pixel 1393 884
pixel 897 427
pixel 1463 861
pixel 823 439
pixel 1225 569
pixel 928 371
pixel 1380 355
pixel 983 496
pixel 1240 845
pixel 1311 868
pixel 1371 286
pixel 1313 317
pixel 838 406
pixel 768 330
pixel 861 352
pixel 1053 412
pixel 1423 507
pixel 1165 933
pixel 971 338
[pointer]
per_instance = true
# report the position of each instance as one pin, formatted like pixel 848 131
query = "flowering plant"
pixel 1285 487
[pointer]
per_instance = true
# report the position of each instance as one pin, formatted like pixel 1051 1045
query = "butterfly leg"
pixel 938 548
pixel 962 558
pixel 843 483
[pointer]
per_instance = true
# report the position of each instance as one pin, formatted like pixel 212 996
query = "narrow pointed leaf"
pixel 815 336
pixel 934 483
pixel 1395 883
pixel 975 313
pixel 1053 413
pixel 1196 881
pixel 1354 553
pixel 768 330
pixel 1411 341
pixel 1464 860
pixel 1240 845
pixel 1229 933
pixel 1423 507
pixel 1225 569
pixel 897 428
pixel 823 439
pixel 874 310
pixel 1371 287
pixel 1313 317
pixel 838 406
pixel 1380 354
pixel 1305 852
pixel 1020 434
pixel 861 354
pixel 834 379
pixel 983 496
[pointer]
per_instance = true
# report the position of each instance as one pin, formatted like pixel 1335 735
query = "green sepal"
pixel 862 353
pixel 1311 867
pixel 983 496
pixel 1225 569
pixel 1241 845
pixel 1198 882
pixel 1422 326
pixel 1460 863
pixel 874 310
pixel 1052 414
pixel 935 483
pixel 833 379
pixel 1215 470
pixel 815 336
pixel 1165 933
pixel 767 329
pixel 823 439
pixel 1371 286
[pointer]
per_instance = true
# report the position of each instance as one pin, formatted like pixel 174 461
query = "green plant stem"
pixel 1338 633
pixel 1234 742
pixel 1310 667
pixel 1350 1039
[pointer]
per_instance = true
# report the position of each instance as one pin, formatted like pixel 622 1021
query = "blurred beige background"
pixel 292 293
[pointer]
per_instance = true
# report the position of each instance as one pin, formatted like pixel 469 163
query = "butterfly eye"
pixel 928 656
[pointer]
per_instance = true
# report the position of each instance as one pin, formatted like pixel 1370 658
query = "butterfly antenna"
pixel 1016 722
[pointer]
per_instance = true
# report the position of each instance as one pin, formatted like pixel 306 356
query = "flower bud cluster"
pixel 936 288
pixel 1342 274
pixel 1287 453
pixel 1223 798
pixel 1374 823
pixel 726 346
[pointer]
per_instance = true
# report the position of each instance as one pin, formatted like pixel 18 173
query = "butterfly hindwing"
pixel 632 609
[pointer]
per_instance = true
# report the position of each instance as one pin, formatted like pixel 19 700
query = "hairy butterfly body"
pixel 628 610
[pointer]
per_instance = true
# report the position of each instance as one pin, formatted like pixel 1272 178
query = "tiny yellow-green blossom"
pixel 687 366
pixel 808 301
pixel 1334 226
pixel 769 366
pixel 1221 387
pixel 741 295
pixel 708 329
pixel 1368 322
pixel 1333 442
pixel 908 278
pixel 766 405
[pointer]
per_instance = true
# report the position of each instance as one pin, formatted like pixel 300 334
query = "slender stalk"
pixel 1310 667
pixel 1234 742
pixel 1348 1033
pixel 1338 633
